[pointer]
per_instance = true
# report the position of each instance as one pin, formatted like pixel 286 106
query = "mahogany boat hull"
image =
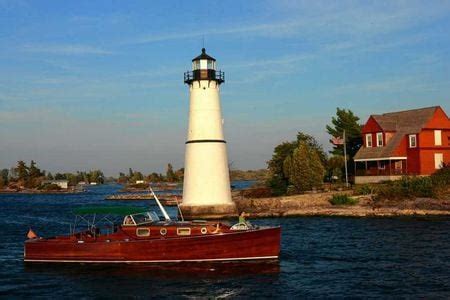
pixel 263 243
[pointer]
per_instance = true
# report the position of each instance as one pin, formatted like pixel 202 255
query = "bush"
pixel 441 180
pixel 441 176
pixel 259 192
pixel 406 188
pixel 364 189
pixel 49 187
pixel 341 199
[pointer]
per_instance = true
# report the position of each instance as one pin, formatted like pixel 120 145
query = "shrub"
pixel 364 189
pixel 259 192
pixel 441 180
pixel 341 199
pixel 442 176
pixel 49 187
pixel 406 188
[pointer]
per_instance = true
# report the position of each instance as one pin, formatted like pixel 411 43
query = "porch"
pixel 382 169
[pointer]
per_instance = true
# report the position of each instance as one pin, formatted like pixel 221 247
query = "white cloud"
pixel 66 49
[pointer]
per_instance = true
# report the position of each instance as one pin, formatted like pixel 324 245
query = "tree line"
pixel 31 177
pixel 135 176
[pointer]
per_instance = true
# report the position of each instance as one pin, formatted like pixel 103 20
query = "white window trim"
pixel 438 137
pixel 369 139
pixel 415 140
pixel 379 140
pixel 438 164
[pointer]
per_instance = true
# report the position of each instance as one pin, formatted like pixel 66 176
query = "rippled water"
pixel 321 257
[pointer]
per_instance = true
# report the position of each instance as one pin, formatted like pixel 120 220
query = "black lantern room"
pixel 204 68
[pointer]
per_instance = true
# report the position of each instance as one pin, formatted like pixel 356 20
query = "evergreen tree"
pixel 22 170
pixel 130 173
pixel 4 174
pixel 49 176
pixel 34 172
pixel 170 174
pixel 348 121
pixel 59 176
pixel 279 181
pixel 305 168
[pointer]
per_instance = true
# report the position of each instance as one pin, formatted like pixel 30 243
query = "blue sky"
pixel 99 84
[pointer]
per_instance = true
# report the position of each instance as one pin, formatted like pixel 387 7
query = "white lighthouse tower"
pixel 206 190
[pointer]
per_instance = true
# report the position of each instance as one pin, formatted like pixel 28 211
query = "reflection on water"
pixel 161 271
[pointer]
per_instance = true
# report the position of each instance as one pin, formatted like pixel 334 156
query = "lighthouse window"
pixel 210 64
pixel 196 65
pixel 203 64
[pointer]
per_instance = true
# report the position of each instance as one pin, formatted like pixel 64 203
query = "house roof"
pixel 401 123
pixel 411 121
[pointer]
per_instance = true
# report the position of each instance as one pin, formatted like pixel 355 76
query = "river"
pixel 320 257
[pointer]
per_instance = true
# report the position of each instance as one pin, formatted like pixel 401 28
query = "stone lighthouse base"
pixel 209 212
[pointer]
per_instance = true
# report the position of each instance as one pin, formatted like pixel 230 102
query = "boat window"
pixel 145 218
pixel 143 232
pixel 183 231
pixel 128 220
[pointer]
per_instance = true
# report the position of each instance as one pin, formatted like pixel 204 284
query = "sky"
pixel 99 84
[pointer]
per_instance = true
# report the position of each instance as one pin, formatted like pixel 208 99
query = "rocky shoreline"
pixel 319 205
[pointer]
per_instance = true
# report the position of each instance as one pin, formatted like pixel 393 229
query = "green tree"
pixel 279 181
pixel 59 176
pixel 136 176
pixel 4 174
pixel 34 171
pixel 335 167
pixel 97 176
pixel 348 121
pixel 170 174
pixel 305 169
pixel 22 170
pixel 155 177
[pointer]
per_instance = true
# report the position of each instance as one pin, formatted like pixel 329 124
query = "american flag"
pixel 337 140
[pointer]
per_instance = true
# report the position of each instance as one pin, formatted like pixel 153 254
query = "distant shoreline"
pixel 36 192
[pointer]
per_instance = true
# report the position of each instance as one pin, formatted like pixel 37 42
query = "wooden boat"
pixel 142 237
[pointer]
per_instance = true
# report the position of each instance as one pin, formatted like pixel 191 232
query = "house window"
pixel 381 165
pixel 438 160
pixel 369 140
pixel 412 141
pixel 438 137
pixel 379 139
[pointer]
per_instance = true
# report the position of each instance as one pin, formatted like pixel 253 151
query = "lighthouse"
pixel 206 189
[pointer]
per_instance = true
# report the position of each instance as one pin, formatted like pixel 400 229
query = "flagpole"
pixel 345 160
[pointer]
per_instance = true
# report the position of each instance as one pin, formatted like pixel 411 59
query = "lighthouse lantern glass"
pixel 196 65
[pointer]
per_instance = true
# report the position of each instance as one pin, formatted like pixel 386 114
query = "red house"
pixel 410 142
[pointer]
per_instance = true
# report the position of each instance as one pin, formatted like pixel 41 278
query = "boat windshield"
pixel 144 218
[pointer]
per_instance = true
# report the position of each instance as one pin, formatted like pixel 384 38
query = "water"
pixel 321 257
